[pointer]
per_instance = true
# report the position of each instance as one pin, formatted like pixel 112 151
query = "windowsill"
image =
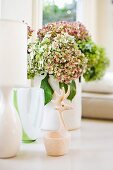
pixel 91 149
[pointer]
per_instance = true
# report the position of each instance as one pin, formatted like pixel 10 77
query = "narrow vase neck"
pixel 6 93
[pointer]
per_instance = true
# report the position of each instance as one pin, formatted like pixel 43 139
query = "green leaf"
pixel 61 85
pixel 72 89
pixel 48 91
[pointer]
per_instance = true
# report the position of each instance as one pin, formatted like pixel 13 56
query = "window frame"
pixel 37 15
pixel 0 9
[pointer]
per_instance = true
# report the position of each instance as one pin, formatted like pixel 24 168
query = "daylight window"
pixel 59 10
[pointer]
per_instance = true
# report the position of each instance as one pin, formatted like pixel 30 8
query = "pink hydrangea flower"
pixel 77 29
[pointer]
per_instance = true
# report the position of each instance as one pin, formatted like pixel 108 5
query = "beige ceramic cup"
pixel 57 143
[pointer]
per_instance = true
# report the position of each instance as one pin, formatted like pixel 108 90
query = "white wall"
pixel 28 10
pixel 105 27
pixel 17 10
pixel 97 15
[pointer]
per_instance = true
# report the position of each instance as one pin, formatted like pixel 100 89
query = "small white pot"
pixel 72 117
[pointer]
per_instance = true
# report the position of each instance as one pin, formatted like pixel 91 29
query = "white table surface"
pixel 91 149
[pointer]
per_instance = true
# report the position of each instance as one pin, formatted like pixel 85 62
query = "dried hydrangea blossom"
pixel 76 29
pixel 62 58
pixel 29 32
pixel 35 59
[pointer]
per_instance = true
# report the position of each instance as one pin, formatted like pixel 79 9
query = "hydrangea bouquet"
pixel 66 51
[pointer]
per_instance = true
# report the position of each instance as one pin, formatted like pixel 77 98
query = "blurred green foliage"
pixel 53 13
pixel 97 60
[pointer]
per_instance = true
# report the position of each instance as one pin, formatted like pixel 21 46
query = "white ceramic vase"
pixel 10 126
pixel 72 117
pixel 30 103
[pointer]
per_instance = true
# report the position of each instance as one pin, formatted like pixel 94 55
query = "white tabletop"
pixel 91 149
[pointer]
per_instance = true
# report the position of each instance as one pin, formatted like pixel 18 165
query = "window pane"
pixel 59 10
